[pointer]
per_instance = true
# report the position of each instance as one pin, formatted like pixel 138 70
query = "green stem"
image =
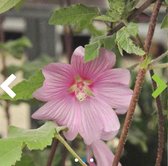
pixel 62 140
pixel 160 57
pixel 158 66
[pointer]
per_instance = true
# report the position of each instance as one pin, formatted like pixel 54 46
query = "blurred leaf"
pixel 20 4
pixel 5 5
pixel 130 5
pixel 25 161
pixel 124 41
pixel 16 47
pixel 92 51
pixel 75 15
pixel 12 69
pixel 25 89
pixel 30 67
pixel 166 2
pixel 164 23
pixel 94 32
pixel 137 137
pixel 33 139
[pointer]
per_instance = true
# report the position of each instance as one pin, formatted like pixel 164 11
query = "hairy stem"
pixel 129 116
pixel 138 84
pixel 161 133
pixel 52 152
pixel 160 125
pixel 62 140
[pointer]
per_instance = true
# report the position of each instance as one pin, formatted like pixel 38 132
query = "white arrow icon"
pixel 6 83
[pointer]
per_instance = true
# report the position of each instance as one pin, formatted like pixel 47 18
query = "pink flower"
pixel 85 97
pixel 103 155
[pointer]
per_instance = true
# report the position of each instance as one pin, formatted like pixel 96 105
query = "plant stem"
pixel 138 85
pixel 160 57
pixel 159 108
pixel 157 66
pixel 160 125
pixel 64 153
pixel 52 152
pixel 62 140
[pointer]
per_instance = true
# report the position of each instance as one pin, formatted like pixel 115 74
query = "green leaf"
pixel 5 5
pixel 92 51
pixel 76 15
pixel 124 41
pixel 16 47
pixel 33 139
pixel 10 151
pixel 164 23
pixel 30 67
pixel 119 10
pixel 12 69
pixel 116 10
pixel 25 89
pixel 109 42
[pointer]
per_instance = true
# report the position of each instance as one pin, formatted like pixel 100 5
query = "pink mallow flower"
pixel 85 98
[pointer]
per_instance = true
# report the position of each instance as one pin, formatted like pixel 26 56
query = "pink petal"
pixel 97 116
pixel 114 76
pixel 58 78
pixel 116 95
pixel 64 112
pixel 91 69
pixel 106 136
pixel 91 127
pixel 102 153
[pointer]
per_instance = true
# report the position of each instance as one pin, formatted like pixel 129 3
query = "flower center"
pixel 81 88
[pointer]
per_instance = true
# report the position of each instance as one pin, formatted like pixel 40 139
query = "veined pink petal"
pixel 91 69
pixel 116 95
pixel 64 112
pixel 114 76
pixel 58 78
pixel 97 116
pixel 91 127
pixel 102 153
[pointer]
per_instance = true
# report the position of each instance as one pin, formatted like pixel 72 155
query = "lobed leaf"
pixel 16 47
pixel 75 15
pixel 34 139
pixel 124 41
